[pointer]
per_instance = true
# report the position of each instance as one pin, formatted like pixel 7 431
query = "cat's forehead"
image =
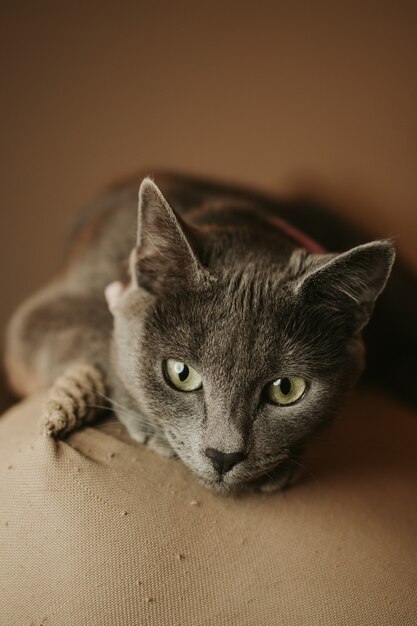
pixel 243 297
pixel 226 321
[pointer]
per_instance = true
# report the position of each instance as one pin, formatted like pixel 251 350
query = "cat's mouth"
pixel 220 485
pixel 237 483
pixel 243 476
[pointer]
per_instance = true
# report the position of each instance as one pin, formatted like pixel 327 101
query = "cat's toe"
pixel 54 423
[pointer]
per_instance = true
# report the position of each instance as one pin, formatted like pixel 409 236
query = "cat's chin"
pixel 222 487
pixel 283 477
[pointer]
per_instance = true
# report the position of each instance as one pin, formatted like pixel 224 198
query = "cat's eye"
pixel 182 376
pixel 284 391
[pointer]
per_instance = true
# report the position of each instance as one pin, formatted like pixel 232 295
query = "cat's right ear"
pixel 166 253
pixel 349 282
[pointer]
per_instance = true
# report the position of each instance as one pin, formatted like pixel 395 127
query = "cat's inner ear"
pixel 350 281
pixel 166 247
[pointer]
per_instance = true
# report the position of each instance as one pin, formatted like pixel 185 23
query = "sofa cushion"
pixel 100 530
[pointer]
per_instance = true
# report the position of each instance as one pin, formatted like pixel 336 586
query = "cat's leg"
pixel 73 400
pixel 23 349
pixel 58 339
pixel 55 328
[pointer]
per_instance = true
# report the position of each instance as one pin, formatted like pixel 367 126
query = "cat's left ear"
pixel 350 281
pixel 113 293
pixel 166 252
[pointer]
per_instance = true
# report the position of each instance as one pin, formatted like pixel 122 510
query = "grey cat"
pixel 226 337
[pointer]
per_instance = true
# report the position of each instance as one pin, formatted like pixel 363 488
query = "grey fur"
pixel 213 284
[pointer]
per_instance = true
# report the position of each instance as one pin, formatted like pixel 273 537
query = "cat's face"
pixel 236 371
pixel 201 367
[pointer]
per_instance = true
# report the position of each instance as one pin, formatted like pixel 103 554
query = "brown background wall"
pixel 285 95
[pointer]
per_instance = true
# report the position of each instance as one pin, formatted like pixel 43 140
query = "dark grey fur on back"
pixel 211 283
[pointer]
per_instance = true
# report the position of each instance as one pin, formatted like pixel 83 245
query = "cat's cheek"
pixel 284 479
pixel 162 447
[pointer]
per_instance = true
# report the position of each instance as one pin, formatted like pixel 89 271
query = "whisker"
pixel 103 395
pixel 271 478
pixel 128 412
pixel 100 406
pixel 142 421
pixel 306 469
pixel 113 402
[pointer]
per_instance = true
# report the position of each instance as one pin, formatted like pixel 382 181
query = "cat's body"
pixel 220 289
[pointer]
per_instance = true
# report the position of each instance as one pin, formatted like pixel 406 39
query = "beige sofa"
pixel 98 530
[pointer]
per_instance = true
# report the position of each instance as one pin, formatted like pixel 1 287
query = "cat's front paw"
pixel 282 478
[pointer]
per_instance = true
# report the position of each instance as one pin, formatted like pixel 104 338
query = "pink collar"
pixel 297 235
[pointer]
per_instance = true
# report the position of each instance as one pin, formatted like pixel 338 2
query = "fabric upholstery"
pixel 99 530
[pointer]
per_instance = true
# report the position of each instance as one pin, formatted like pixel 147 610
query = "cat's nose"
pixel 224 461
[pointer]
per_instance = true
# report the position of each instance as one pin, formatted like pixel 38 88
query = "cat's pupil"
pixel 182 370
pixel 285 386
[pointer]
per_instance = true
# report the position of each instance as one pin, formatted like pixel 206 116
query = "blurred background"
pixel 314 97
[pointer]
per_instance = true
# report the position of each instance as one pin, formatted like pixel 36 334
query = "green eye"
pixel 285 390
pixel 182 376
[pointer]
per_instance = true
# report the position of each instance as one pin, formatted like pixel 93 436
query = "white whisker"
pixel 306 469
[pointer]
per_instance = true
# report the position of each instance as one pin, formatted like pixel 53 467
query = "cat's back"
pixel 232 221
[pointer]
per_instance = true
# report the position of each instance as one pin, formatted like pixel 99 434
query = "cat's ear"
pixel 165 256
pixel 351 281
pixel 112 294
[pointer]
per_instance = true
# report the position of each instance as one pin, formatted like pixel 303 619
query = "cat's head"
pixel 236 360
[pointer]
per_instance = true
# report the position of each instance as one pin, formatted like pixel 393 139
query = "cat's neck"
pixel 301 238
